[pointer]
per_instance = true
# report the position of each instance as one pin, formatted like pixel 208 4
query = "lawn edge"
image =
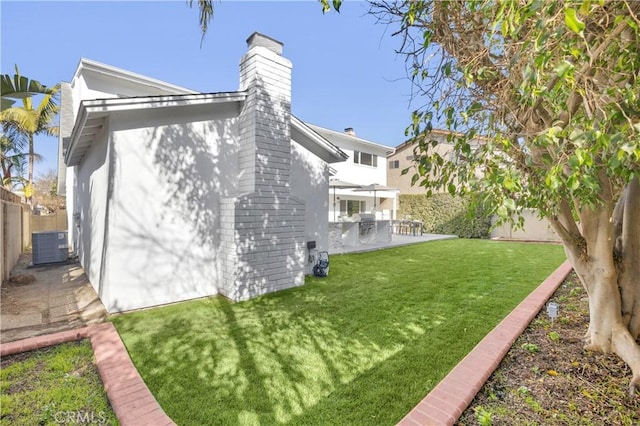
pixel 446 402
pixel 130 398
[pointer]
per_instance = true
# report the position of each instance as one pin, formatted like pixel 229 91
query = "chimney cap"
pixel 349 131
pixel 258 39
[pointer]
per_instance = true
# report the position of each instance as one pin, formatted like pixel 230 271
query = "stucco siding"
pixel 310 183
pixel 360 173
pixel 91 187
pixel 164 218
pixel 404 156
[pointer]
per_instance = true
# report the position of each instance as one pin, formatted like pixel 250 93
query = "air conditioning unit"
pixel 49 247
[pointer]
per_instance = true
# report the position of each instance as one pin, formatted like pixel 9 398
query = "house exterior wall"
pixel 310 183
pixel 91 184
pixel 164 211
pixel 403 154
pixel 360 174
pixel 193 199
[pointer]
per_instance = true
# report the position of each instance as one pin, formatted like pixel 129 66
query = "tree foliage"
pixel 19 87
pixel 206 9
pixel 554 88
pixel 46 192
pixel 21 123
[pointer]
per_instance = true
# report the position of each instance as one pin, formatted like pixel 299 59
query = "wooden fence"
pixel 50 222
pixel 15 234
pixel 17 224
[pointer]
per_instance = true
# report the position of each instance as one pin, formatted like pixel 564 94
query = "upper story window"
pixel 365 158
pixel 394 164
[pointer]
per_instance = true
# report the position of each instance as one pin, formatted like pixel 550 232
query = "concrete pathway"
pixel 45 299
pixel 396 241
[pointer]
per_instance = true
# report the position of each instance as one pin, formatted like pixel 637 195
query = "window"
pixel 394 164
pixel 365 158
pixel 351 207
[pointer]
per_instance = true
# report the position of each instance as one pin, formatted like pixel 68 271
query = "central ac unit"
pixel 49 247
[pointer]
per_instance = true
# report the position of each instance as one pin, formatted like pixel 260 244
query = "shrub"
pixel 445 214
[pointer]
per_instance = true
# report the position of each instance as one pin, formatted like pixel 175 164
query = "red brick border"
pixel 130 398
pixel 133 404
pixel 446 402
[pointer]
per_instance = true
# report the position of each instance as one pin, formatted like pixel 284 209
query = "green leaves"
pixel 20 87
pixel 326 6
pixel 572 21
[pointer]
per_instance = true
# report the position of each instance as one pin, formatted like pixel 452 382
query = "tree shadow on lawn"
pixel 298 356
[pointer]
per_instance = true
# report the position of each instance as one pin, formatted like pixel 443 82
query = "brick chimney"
pixel 265 136
pixel 263 227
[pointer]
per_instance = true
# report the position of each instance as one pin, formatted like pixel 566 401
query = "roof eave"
pixel 92 115
pixel 326 150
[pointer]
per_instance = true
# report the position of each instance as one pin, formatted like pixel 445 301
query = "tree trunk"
pixel 610 326
pixel 31 162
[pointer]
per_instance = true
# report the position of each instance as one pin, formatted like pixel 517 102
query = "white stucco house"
pixel 174 194
pixel 365 166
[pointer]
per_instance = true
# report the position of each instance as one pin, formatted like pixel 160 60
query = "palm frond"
pixel 22 118
pixel 19 87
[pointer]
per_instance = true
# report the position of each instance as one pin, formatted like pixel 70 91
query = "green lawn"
pixel 51 386
pixel 361 346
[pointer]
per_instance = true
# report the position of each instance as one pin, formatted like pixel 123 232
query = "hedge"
pixel 444 214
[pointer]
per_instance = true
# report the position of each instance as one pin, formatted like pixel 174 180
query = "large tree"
pixel 555 88
pixel 27 120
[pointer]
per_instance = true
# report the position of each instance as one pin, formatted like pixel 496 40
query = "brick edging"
pixel 446 402
pixel 129 396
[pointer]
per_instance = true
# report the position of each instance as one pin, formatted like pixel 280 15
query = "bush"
pixel 445 214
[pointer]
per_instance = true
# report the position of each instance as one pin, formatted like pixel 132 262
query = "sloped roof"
pixel 341 139
pixel 89 65
pixel 92 117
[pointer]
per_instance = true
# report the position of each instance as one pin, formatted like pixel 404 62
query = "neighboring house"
pixel 366 165
pixel 403 157
pixel 174 194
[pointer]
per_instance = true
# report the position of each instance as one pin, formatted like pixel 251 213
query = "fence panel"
pixel 535 229
pixel 51 222
pixel 12 236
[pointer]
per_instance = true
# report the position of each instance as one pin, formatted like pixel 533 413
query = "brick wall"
pixel 263 229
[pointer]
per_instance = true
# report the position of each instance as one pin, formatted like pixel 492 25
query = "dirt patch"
pixel 21 279
pixel 548 378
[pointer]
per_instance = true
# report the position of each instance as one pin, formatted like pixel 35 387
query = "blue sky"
pixel 345 71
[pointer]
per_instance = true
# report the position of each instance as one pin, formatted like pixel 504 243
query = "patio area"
pixel 396 241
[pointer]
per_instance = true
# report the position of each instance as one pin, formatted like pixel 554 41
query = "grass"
pixel 361 346
pixel 51 386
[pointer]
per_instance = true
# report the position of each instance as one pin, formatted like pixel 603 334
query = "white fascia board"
pixel 119 73
pixel 95 110
pixel 169 101
pixel 328 151
pixel 351 139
